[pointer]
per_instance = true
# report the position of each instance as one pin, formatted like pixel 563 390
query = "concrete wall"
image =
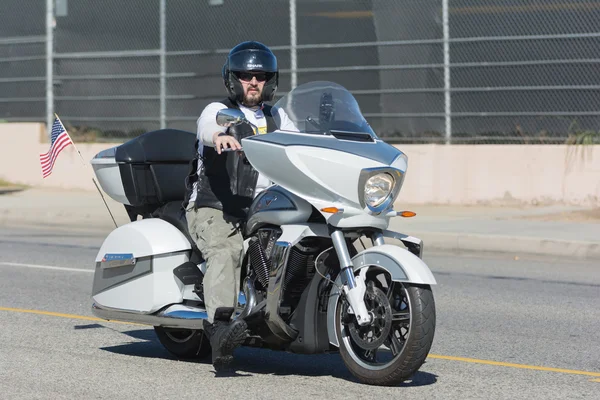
pixel 509 174
pixel 457 174
pixel 20 147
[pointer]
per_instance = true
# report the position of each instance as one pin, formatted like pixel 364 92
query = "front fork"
pixel 354 287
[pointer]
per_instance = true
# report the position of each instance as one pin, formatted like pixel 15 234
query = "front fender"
pixel 402 265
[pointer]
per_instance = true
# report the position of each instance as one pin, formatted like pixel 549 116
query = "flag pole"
pixel 85 165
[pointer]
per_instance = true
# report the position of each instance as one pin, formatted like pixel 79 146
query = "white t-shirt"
pixel 207 126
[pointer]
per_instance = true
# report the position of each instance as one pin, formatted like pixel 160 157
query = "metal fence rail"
pixel 426 71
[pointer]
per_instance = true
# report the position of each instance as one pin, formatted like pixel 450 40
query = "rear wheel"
pixel 184 343
pixel 394 346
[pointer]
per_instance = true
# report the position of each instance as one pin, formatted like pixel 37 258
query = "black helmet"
pixel 250 56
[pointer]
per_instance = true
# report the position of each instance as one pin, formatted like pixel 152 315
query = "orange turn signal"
pixel 332 210
pixel 407 214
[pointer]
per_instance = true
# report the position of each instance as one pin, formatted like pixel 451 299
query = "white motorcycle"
pixel 305 286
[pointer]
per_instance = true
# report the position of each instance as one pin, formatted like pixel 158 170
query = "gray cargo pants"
pixel 221 244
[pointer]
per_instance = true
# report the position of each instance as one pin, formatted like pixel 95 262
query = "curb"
pixel 582 250
pixel 104 229
pixel 61 222
pixel 457 242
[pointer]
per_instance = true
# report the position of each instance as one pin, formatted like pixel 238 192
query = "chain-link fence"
pixel 23 60
pixel 423 71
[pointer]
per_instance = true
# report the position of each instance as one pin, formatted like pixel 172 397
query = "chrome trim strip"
pixel 186 314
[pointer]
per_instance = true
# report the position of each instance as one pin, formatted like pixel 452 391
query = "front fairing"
pixel 322 165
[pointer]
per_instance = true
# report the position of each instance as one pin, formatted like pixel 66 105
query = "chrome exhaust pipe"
pixel 175 316
pixel 247 299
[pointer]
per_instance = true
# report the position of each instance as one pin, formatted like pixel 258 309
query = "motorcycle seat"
pixel 173 213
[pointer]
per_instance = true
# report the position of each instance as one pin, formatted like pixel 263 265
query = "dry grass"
pixel 5 184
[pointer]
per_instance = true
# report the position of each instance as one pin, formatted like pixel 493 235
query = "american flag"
pixel 58 141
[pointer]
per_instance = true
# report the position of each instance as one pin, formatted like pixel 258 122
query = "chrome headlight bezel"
pixel 368 173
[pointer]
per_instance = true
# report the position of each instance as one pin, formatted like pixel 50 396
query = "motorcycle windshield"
pixel 320 108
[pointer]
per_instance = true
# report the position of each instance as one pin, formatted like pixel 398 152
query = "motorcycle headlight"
pixel 377 189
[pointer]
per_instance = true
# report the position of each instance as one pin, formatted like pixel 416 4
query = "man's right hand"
pixel 224 141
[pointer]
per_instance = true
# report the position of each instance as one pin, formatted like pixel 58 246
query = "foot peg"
pixel 223 313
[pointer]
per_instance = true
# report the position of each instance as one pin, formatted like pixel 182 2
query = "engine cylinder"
pixel 260 262
pixel 297 265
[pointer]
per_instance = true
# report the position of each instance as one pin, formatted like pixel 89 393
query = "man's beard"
pixel 252 99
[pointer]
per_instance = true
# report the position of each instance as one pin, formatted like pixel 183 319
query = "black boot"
pixel 224 336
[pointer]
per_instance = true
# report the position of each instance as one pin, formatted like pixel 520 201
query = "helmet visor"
pixel 253 60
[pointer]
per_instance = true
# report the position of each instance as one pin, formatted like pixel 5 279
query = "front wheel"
pixel 184 343
pixel 394 346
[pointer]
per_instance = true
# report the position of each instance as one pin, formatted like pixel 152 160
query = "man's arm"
pixel 207 125
pixel 211 134
pixel 285 123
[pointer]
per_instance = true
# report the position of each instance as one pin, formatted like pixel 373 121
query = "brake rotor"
pixel 372 336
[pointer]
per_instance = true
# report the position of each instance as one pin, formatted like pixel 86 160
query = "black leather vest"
pixel 226 181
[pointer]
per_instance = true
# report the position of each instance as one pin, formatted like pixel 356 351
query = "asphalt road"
pixel 506 329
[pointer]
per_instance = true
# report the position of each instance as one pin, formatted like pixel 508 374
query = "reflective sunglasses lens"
pixel 247 76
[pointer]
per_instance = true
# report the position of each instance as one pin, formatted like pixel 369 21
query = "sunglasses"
pixel 247 76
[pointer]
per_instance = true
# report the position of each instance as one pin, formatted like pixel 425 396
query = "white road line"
pixel 10 264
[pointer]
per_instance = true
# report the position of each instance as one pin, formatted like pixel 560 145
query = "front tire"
pixel 387 353
pixel 184 343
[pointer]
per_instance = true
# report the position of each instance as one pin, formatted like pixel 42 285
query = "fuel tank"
pixel 277 206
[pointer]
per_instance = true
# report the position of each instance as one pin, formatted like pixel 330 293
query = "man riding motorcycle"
pixel 222 185
pixel 307 288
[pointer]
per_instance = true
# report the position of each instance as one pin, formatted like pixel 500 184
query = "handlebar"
pixel 229 149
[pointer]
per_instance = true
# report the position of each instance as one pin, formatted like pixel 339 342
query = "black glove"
pixel 240 131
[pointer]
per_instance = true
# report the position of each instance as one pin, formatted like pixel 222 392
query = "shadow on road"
pixel 259 361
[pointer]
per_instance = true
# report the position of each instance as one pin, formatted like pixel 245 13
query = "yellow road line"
pixel 511 365
pixel 434 356
pixel 61 315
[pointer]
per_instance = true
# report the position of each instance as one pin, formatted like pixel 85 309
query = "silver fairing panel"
pixel 277 206
pixel 324 170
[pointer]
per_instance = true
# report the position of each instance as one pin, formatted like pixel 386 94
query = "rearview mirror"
pixel 229 117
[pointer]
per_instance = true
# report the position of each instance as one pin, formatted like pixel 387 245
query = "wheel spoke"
pixel 395 345
pixel 390 293
pixel 401 316
pixel 371 355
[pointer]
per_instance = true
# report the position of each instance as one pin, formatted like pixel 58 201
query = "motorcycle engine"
pixel 259 252
pixel 300 267
pixel 300 271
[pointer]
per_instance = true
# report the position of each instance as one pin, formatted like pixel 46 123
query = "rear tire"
pixel 408 341
pixel 184 343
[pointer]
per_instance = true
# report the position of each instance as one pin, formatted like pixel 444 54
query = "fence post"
pixel 447 86
pixel 49 65
pixel 163 64
pixel 293 55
